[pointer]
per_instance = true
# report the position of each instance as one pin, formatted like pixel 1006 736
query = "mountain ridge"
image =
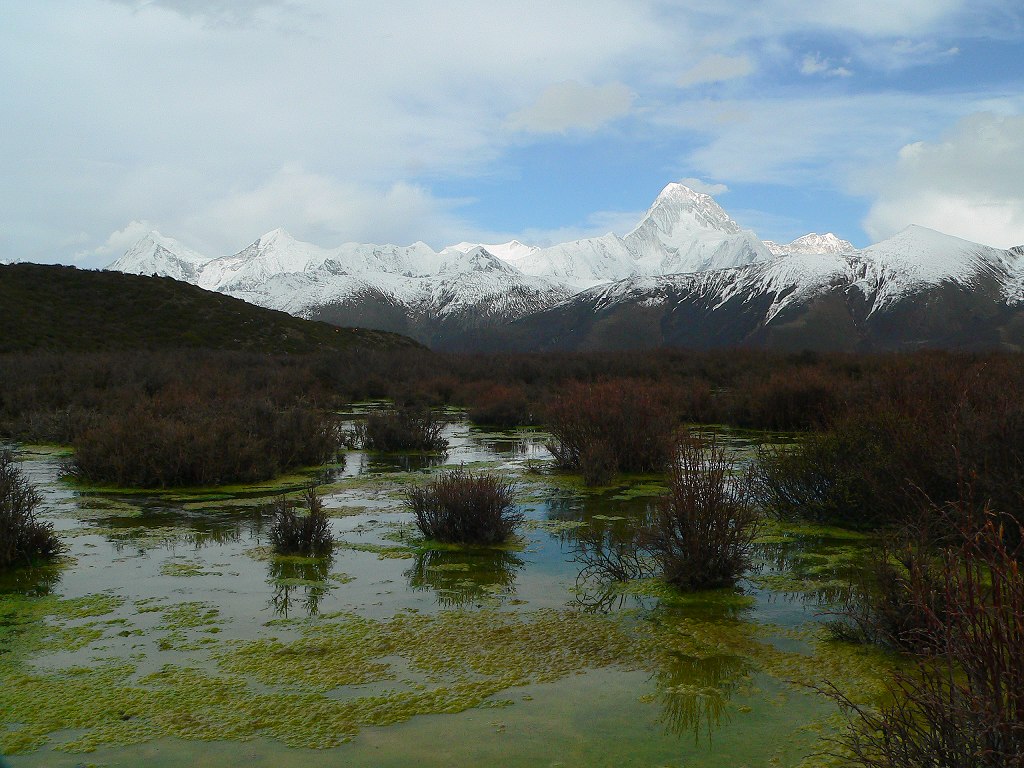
pixel 685 249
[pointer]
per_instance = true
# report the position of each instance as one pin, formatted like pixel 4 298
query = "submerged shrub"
pixel 612 426
pixel 701 535
pixel 292 533
pixel 462 507
pixel 403 429
pixel 23 538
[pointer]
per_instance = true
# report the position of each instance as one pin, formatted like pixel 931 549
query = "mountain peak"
pixel 687 231
pixel 275 236
pixel 155 254
pixel 811 244
pixel 675 190
pixel 679 211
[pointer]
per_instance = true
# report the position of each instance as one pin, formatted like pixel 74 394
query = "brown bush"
pixel 462 507
pixel 408 428
pixel 618 425
pixel 962 702
pixel 500 405
pixel 292 533
pixel 212 445
pixel 23 537
pixel 702 533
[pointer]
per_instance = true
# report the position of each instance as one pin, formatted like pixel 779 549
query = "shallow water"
pixel 172 635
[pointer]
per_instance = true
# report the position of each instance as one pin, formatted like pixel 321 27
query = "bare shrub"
pixel 23 537
pixel 462 507
pixel 292 533
pixel 701 535
pixel 962 702
pixel 615 426
pixel 404 429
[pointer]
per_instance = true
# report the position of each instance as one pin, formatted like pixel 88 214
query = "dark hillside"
pixel 68 309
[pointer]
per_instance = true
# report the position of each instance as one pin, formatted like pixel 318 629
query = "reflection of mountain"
pixel 298 583
pixel 464 576
pixel 694 691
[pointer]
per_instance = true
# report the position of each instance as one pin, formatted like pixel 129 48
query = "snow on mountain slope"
pixel 582 263
pixel 155 254
pixel 275 253
pixel 785 280
pixel 511 251
pixel 687 231
pixel 810 244
pixel 477 259
pixel 919 257
pixel 913 260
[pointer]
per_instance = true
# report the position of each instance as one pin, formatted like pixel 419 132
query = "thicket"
pixel 701 534
pixel 611 426
pixel 896 413
pixel 407 428
pixel 462 507
pixel 24 538
pixel 168 419
pixel 927 432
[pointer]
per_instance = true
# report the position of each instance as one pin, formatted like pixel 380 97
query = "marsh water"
pixel 171 635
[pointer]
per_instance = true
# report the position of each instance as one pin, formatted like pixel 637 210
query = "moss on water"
pixel 186 568
pixel 305 692
pixel 553 526
pixel 383 551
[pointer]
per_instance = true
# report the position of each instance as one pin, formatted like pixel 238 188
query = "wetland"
pixel 169 632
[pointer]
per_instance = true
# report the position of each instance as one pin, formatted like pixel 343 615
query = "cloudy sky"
pixel 215 121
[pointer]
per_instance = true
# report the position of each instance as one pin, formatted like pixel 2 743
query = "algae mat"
pixel 171 635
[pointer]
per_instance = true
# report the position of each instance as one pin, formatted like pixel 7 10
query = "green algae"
pixel 186 568
pixel 553 526
pixel 383 551
pixel 306 692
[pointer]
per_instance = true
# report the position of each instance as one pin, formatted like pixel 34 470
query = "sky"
pixel 392 121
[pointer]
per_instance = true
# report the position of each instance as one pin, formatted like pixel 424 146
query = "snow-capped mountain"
pixel 918 288
pixel 687 231
pixel 155 254
pixel 811 243
pixel 686 274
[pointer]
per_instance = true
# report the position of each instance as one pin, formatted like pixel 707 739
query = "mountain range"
pixel 686 275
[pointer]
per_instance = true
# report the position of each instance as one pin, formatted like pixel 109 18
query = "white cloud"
pixel 169 110
pixel 716 68
pixel 814 64
pixel 571 105
pixel 117 243
pixel 818 141
pixel 319 209
pixel 967 184
pixel 596 224
pixel 697 185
